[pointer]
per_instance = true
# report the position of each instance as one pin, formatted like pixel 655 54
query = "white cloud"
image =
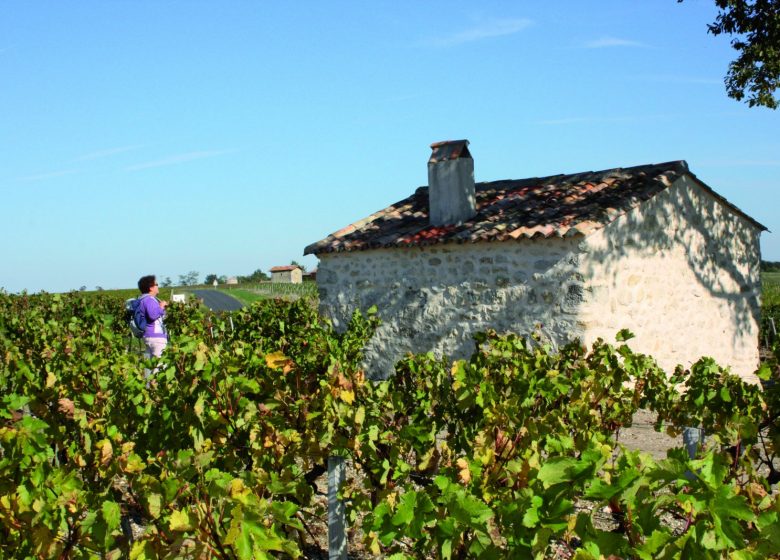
pixel 107 152
pixel 52 175
pixel 494 28
pixel 607 42
pixel 177 159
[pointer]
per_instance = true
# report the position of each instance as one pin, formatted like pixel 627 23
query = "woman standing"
pixel 155 336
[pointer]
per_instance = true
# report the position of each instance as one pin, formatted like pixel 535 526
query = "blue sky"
pixel 222 137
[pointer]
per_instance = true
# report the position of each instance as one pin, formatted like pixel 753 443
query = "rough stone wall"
pixel 681 272
pixel 287 276
pixel 434 298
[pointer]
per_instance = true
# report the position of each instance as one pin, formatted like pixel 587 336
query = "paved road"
pixel 218 301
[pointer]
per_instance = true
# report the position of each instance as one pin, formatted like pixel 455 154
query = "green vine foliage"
pixel 215 449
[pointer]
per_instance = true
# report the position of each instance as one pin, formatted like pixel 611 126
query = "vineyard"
pixel 770 306
pixel 249 293
pixel 220 453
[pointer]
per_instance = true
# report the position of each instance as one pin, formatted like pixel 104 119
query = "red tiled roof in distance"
pixel 559 205
pixel 284 268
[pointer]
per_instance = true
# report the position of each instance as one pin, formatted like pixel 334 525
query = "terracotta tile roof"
pixel 559 205
pixel 284 268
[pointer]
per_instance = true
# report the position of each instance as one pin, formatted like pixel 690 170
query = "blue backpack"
pixel 136 318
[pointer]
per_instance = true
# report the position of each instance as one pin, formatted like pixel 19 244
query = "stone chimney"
pixel 451 198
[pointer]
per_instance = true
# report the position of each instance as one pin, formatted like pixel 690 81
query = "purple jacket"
pixel 154 318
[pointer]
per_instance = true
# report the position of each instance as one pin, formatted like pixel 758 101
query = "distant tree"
pixel 83 289
pixel 166 282
pixel 222 279
pixel 755 25
pixel 257 276
pixel 770 266
pixel 296 263
pixel 98 288
pixel 189 279
pixel 210 278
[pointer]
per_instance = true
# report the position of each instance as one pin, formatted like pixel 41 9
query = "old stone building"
pixel 290 274
pixel 648 248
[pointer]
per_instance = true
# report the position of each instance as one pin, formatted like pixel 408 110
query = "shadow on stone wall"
pixel 420 315
pixel 721 249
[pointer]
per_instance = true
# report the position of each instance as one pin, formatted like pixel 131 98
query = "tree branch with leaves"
pixel 754 76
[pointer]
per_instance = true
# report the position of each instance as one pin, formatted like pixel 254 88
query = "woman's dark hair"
pixel 146 282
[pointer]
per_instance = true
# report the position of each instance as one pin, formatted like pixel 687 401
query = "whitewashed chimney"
pixel 451 198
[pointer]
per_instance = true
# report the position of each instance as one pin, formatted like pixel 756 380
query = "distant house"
pixel 232 280
pixel 649 248
pixel 311 275
pixel 291 274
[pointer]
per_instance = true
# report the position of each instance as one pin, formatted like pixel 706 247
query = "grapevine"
pixel 218 453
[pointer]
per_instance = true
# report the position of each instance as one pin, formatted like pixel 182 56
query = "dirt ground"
pixel 643 437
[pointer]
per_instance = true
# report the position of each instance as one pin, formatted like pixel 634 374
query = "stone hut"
pixel 649 248
pixel 291 274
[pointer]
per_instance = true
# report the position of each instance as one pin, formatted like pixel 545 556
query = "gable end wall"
pixel 682 272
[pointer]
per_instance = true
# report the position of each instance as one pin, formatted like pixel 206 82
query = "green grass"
pixel 264 290
pixel 771 288
pixel 247 297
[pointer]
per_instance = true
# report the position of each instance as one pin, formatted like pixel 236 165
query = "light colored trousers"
pixel 154 347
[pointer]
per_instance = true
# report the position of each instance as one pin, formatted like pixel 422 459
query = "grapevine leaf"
pixel 106 452
pixel 710 541
pixel 347 396
pixel 143 550
pixel 199 406
pixel 464 473
pixel 266 540
pixel 654 544
pixel 134 464
pixel 154 502
pixel 624 335
pixel 405 511
pixel 111 514
pixel 557 470
pixel 276 360
pixel 446 549
pixel 181 521
pixel 531 515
